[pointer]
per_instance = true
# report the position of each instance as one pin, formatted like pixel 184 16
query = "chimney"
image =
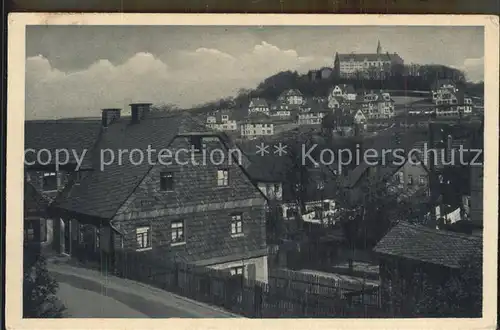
pixel 109 116
pixel 139 111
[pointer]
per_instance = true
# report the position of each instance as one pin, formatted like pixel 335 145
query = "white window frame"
pixel 176 238
pixel 222 177
pixel 237 224
pixel 238 270
pixel 149 238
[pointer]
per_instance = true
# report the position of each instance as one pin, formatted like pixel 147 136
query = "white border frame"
pixel 15 126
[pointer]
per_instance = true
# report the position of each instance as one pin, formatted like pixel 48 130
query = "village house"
pixel 291 97
pixel 408 180
pixel 256 125
pixel 271 174
pixel 374 105
pixel 450 101
pixel 258 105
pixel 410 254
pixel 339 124
pixel 44 182
pixel 312 113
pixel 198 212
pixel 222 120
pixel 376 65
pixel 282 110
pixel 345 91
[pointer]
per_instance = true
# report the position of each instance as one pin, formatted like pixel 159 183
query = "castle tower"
pixel 379 48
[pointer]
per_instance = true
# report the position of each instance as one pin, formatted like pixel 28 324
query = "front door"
pixel 65 236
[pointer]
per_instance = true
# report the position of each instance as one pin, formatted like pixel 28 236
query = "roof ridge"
pixel 439 232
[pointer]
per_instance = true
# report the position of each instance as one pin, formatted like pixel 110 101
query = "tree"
pixel 164 107
pixel 39 288
pixel 459 296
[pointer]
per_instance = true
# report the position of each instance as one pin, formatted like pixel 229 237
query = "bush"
pixel 39 289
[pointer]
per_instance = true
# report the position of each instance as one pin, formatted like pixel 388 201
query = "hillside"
pixel 399 85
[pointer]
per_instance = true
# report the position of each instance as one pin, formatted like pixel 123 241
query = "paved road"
pixel 88 293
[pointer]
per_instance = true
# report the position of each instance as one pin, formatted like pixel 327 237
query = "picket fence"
pixel 283 296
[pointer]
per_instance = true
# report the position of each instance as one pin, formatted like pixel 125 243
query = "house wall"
pixel 260 264
pixel 204 206
pixel 268 189
pixel 414 172
pixel 257 129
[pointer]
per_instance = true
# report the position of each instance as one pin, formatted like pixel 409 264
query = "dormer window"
pixel 49 181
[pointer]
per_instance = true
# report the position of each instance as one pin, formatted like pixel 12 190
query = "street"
pixel 87 293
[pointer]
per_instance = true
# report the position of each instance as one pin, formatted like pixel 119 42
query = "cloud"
pixel 474 69
pixel 186 79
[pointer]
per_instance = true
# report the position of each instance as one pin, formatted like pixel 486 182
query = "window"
pixel 276 189
pixel 97 238
pixel 143 235
pixel 225 117
pixel 177 228
pixel 49 181
pixel 290 213
pixel 422 180
pixel 166 181
pixel 222 177
pixel 35 230
pixel 81 232
pixel 29 231
pixel 236 271
pixel 196 142
pixel 236 224
pixel 326 206
pixel 410 179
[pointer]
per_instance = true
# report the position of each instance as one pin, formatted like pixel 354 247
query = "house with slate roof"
pixel 255 125
pixel 222 120
pixel 292 97
pixel 344 91
pixel 258 104
pixel 45 142
pixel 409 252
pixel 375 105
pixel 312 113
pixel 200 212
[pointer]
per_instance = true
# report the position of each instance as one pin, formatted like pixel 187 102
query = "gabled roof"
pixel 345 88
pixel 257 117
pixel 34 202
pixel 258 102
pixel 291 92
pixel 362 57
pixel 102 192
pixel 73 135
pixel 441 82
pixel 428 245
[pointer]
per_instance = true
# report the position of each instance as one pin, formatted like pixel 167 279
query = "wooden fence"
pixel 239 295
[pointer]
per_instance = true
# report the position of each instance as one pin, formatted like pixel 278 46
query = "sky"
pixel 75 71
